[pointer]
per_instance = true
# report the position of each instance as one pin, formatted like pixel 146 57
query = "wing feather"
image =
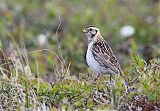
pixel 105 56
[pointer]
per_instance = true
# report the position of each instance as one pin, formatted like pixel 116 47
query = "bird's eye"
pixel 90 29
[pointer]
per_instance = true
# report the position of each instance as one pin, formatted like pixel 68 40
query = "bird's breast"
pixel 93 64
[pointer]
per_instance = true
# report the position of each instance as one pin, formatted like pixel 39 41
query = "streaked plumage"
pixel 100 56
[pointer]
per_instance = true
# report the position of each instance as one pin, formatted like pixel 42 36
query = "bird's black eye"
pixel 90 29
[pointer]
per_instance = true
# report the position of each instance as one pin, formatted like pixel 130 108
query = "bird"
pixel 99 56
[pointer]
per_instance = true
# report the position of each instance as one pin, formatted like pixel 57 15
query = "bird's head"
pixel 92 33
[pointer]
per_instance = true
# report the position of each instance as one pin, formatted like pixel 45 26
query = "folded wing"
pixel 105 56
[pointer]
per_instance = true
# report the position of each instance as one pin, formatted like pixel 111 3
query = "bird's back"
pixel 101 57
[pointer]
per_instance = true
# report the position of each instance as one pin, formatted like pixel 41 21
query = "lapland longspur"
pixel 100 56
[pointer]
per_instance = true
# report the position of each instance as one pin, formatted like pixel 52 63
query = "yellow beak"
pixel 84 31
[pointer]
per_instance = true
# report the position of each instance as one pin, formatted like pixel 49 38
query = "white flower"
pixel 3 5
pixel 139 108
pixel 18 7
pixel 42 39
pixel 127 31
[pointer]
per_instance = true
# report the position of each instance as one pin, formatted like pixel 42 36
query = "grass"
pixel 20 90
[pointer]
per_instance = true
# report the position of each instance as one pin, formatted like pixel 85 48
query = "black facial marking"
pixel 90 26
pixel 92 35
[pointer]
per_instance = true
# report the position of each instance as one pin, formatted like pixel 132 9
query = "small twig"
pixel 133 80
pixel 155 67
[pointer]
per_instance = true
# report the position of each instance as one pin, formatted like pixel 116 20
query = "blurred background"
pixel 129 26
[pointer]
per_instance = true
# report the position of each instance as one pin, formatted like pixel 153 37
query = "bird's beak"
pixel 84 31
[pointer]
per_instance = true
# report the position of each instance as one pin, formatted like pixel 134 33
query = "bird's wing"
pixel 104 55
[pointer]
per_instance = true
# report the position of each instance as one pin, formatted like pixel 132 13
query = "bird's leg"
pixel 95 79
pixel 110 78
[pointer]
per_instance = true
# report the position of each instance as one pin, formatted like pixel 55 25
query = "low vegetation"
pixel 20 90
